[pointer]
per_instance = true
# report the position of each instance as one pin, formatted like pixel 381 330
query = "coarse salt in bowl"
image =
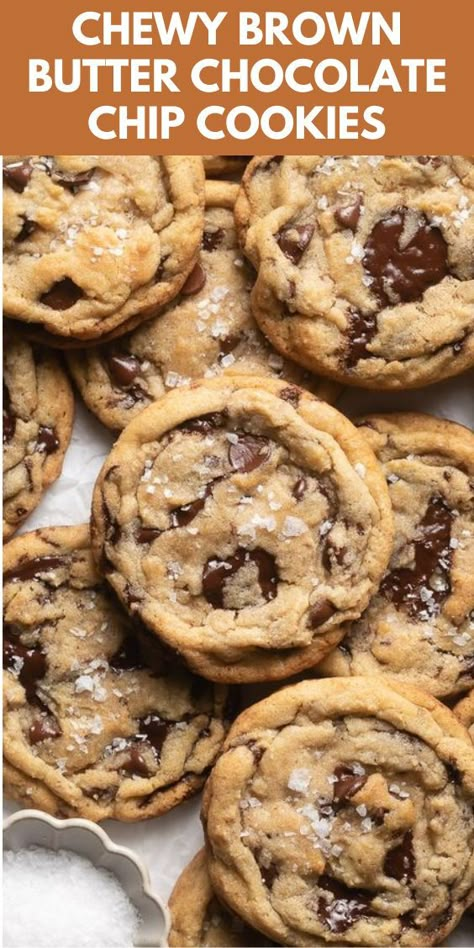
pixel 95 882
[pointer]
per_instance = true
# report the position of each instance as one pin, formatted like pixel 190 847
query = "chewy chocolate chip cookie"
pixel 244 521
pixel 419 626
pixel 94 241
pixel 208 330
pixel 94 725
pixel 365 264
pixel 340 812
pixel 198 918
pixel 38 412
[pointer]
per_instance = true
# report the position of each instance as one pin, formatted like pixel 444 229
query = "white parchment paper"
pixel 167 844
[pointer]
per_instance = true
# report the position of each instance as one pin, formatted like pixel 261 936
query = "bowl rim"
pixel 108 844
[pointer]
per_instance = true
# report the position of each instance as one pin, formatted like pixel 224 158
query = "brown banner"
pixel 119 44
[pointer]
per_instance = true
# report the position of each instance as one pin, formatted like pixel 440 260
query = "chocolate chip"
pixel 361 330
pixel 181 516
pixel 344 908
pixel 62 295
pixel 347 783
pixel 291 394
pixel 71 180
pixel 204 424
pixel 212 239
pixel 17 174
pixel 216 574
pixel 433 160
pixel 147 534
pixel 44 729
pixel 28 228
pixel 47 441
pixel 294 239
pixel 9 417
pixel 29 663
pixel 228 344
pixel 320 612
pixel 409 587
pixel 299 490
pixel 155 730
pixel 348 215
pixel 123 369
pixel 400 862
pixel 195 281
pixel 402 271
pixel 128 656
pixel 135 763
pixel 249 452
pixel 32 568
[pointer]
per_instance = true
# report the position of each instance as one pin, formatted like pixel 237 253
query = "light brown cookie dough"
pixel 243 521
pixel 207 331
pixel 197 918
pixel 93 241
pixel 419 626
pixel 365 264
pixel 38 413
pixel 340 812
pixel 97 723
pixel 464 710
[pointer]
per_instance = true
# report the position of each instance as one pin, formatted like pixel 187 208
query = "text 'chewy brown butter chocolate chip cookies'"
pixel 341 812
pixel 419 626
pixel 38 412
pixel 207 330
pixel 365 264
pixel 94 725
pixel 93 242
pixel 244 521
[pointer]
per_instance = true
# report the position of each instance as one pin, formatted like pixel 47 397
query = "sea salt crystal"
pixel 299 780
pixel 293 527
pixel 360 469
pixel 66 902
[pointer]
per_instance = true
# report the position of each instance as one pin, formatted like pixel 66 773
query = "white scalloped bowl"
pixel 33 828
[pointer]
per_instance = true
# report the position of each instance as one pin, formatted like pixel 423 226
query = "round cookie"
pixel 340 812
pixel 38 414
pixel 243 521
pixel 197 918
pixel 419 626
pixel 97 723
pixel 365 264
pixel 225 164
pixel 93 241
pixel 208 330
pixel 464 710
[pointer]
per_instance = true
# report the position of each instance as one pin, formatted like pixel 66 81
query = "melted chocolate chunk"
pixel 9 418
pixel 433 160
pixel 44 729
pixel 400 862
pixel 147 534
pixel 402 271
pixel 291 394
pixel 62 295
pixel 361 330
pixel 155 730
pixel 212 239
pixel 135 763
pixel 195 281
pixel 31 569
pixel 249 452
pixel 348 215
pixel 294 239
pixel 409 587
pixel 123 369
pixel 320 612
pixel 347 784
pixel 346 907
pixel 300 488
pixel 205 424
pixel 216 573
pixel 268 874
pixel 17 174
pixel 228 344
pixel 29 663
pixel 71 180
pixel 128 655
pixel 47 441
pixel 28 228
pixel 181 516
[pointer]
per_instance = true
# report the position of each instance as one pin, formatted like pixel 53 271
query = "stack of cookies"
pixel 243 530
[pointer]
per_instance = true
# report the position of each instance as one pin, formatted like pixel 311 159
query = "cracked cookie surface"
pixel 92 242
pixel 198 918
pixel 340 812
pixel 97 723
pixel 207 331
pixel 419 626
pixel 365 264
pixel 38 413
pixel 244 521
